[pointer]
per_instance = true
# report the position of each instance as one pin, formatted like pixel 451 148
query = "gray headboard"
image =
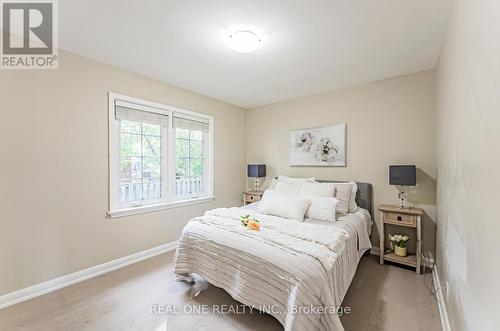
pixel 364 196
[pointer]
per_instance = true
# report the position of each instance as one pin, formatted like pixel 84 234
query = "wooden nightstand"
pixel 252 196
pixel 410 218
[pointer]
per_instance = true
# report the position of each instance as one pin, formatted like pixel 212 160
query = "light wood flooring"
pixel 381 297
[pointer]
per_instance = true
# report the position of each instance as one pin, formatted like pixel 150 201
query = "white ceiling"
pixel 310 46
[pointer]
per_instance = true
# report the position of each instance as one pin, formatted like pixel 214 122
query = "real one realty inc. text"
pixel 168 309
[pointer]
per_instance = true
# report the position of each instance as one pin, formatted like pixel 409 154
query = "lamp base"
pixel 403 205
pixel 256 184
pixel 402 196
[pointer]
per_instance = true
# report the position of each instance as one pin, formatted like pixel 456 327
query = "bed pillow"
pixel 322 208
pixel 297 179
pixel 353 206
pixel 317 189
pixel 272 185
pixel 352 198
pixel 284 205
pixel 343 195
pixel 287 187
pixel 289 184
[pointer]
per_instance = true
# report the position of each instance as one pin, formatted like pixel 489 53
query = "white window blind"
pixel 192 123
pixel 123 113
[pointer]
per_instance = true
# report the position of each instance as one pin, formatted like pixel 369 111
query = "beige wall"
pixel 388 122
pixel 54 169
pixel 468 108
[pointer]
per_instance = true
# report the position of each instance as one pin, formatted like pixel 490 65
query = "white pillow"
pixel 318 189
pixel 352 207
pixel 297 179
pixel 287 187
pixel 289 184
pixel 284 205
pixel 272 186
pixel 322 208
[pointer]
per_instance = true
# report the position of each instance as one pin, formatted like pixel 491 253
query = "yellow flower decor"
pixel 245 219
pixel 251 224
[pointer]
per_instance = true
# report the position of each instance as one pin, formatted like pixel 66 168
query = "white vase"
pixel 400 251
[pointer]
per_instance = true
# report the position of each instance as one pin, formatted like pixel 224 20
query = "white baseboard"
pixel 443 313
pixel 429 263
pixel 55 284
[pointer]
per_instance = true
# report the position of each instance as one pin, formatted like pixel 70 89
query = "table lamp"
pixel 403 175
pixel 256 171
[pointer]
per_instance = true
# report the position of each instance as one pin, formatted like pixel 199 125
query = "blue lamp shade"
pixel 256 170
pixel 405 175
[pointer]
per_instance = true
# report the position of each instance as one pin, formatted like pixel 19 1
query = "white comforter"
pixel 281 268
pixel 317 240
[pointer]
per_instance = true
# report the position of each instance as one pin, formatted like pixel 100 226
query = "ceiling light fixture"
pixel 244 41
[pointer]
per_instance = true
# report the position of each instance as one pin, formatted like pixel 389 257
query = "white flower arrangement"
pixel 400 240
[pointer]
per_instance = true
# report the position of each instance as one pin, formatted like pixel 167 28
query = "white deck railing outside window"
pixel 185 188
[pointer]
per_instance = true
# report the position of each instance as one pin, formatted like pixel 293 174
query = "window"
pixel 143 137
pixel 160 156
pixel 190 158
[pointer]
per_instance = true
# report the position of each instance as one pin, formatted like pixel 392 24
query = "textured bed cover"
pixel 287 281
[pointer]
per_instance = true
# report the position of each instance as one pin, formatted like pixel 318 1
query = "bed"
pixel 300 280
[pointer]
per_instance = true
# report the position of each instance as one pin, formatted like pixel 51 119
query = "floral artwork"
pixel 318 147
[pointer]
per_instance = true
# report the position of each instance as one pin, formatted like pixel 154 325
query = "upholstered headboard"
pixel 364 196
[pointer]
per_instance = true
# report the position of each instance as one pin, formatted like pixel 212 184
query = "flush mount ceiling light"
pixel 244 41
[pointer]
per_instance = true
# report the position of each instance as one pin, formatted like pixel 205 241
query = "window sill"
pixel 161 206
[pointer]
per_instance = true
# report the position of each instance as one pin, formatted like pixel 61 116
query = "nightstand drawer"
pixel 403 219
pixel 252 198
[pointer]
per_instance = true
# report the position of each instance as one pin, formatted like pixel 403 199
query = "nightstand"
pixel 252 196
pixel 404 217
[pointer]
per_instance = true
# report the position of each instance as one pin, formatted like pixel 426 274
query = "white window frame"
pixel 116 209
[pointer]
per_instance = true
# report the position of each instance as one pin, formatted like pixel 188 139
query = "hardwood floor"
pixel 145 296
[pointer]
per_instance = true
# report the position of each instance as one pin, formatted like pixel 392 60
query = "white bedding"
pixel 317 240
pixel 285 266
pixel 361 219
